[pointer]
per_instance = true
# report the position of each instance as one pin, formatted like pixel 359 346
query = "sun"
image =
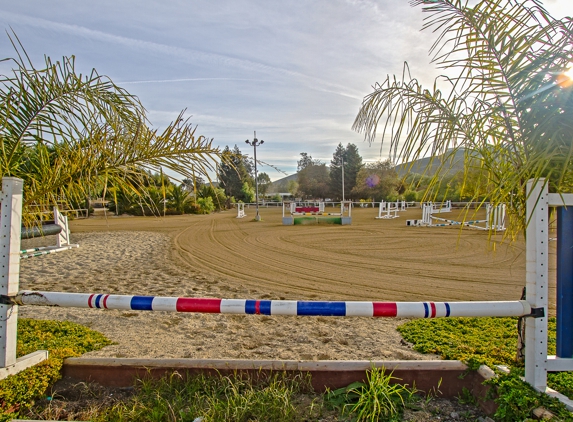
pixel 565 79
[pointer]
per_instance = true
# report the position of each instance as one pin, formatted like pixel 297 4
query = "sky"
pixel 295 72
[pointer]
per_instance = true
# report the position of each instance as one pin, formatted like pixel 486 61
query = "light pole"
pixel 342 179
pixel 254 144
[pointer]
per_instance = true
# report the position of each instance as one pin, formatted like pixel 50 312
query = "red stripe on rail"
pixel 209 306
pixel 385 309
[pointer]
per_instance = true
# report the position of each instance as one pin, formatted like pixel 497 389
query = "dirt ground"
pixel 220 255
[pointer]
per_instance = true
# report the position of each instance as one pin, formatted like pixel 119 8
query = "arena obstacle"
pixel 535 305
pixel 495 218
pixel 316 208
pixel 390 207
pixel 307 213
pixel 60 228
pixel 241 210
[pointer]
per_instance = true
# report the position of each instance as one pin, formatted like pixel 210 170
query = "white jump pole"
pixel 495 217
pixel 275 307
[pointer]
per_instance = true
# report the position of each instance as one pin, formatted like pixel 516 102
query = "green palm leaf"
pixel 69 135
pixel 500 101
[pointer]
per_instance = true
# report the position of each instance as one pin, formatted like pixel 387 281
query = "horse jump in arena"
pixel 390 207
pixel 534 307
pixel 494 220
pixel 59 227
pixel 241 210
pixel 316 208
pixel 314 213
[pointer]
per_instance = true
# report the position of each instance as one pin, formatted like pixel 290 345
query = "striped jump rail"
pixel 30 253
pixel 275 307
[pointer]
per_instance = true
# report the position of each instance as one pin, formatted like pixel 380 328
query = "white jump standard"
pixel 390 207
pixel 60 227
pixel 241 210
pixel 494 220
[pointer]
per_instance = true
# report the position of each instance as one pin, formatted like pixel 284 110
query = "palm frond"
pixel 69 135
pixel 499 100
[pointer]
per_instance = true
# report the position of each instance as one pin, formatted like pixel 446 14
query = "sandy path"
pixel 221 256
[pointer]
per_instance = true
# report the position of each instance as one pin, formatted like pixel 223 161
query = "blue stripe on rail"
pixel 262 307
pixel 426 310
pixel 321 308
pixel 447 309
pixel 97 301
pixel 250 306
pixel 141 303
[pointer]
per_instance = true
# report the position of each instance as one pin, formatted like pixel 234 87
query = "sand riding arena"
pixel 368 260
pixel 220 255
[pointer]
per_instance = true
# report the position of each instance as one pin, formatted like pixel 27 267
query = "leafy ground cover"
pixel 491 342
pixel 62 340
pixel 277 397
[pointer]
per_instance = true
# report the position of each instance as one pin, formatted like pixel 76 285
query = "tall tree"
pixel 376 181
pixel 336 173
pixel 233 172
pixel 305 161
pixel 313 181
pixel 292 187
pixel 352 165
pixel 264 181
pixel 506 101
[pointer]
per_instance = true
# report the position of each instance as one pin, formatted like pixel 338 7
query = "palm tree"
pixel 179 198
pixel 504 101
pixel 70 135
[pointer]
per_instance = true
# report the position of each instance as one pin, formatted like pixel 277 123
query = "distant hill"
pixel 280 186
pixel 429 165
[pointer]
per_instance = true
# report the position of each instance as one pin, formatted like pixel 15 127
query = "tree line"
pixel 368 182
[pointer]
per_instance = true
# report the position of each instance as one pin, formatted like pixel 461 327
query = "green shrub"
pixel 491 341
pixel 62 339
pixel 206 205
pixel 463 339
pixel 410 196
pixel 516 399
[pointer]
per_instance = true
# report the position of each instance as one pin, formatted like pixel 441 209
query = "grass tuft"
pixel 380 398
pixel 277 397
